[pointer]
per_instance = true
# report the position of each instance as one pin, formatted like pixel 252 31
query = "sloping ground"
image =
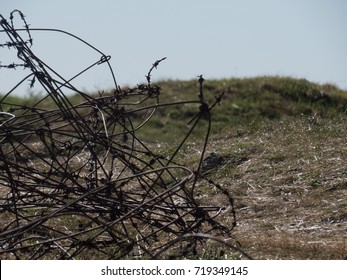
pixel 290 189
pixel 283 141
pixel 283 153
pixel 244 101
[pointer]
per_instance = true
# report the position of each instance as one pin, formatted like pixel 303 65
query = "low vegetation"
pixel 283 141
pixel 290 187
pixel 283 147
pixel 247 102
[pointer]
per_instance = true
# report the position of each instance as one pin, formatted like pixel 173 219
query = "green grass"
pixel 246 101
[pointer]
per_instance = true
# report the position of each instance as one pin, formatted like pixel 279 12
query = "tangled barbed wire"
pixel 77 183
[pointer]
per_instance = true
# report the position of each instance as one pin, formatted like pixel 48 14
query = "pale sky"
pixel 219 39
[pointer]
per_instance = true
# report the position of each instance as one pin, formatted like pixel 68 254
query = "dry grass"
pixel 288 174
pixel 291 192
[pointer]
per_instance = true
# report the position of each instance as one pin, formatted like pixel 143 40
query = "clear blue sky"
pixel 220 38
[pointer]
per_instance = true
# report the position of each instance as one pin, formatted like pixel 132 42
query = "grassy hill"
pixel 282 143
pixel 247 102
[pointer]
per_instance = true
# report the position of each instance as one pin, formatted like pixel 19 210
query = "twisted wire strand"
pixel 77 182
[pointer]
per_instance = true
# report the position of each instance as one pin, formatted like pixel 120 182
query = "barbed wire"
pixel 76 182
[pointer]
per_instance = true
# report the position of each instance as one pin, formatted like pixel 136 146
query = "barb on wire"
pixel 76 181
pixel 155 65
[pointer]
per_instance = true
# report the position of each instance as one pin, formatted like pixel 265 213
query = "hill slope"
pixel 246 101
pixel 283 145
pixel 282 156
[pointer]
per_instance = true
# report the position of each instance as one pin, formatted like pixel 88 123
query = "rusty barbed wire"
pixel 76 182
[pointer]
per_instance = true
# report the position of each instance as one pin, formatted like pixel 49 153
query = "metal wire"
pixel 76 182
